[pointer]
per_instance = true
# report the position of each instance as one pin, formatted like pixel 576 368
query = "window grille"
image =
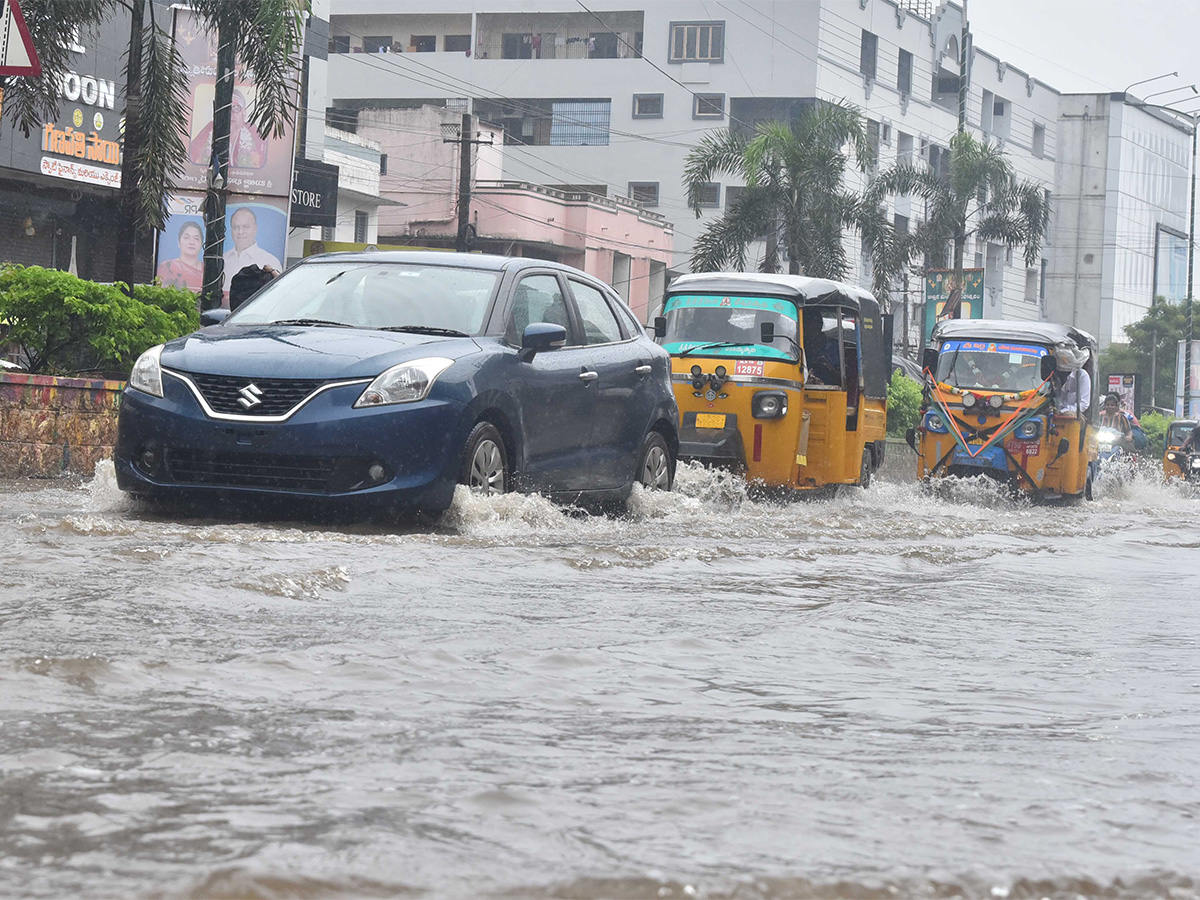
pixel 580 123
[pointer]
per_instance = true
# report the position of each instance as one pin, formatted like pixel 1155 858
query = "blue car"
pixel 381 380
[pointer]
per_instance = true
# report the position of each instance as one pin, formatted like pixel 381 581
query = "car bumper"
pixel 168 448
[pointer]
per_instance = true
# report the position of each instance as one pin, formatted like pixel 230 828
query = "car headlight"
pixel 405 383
pixel 935 423
pixel 1028 431
pixel 769 405
pixel 147 372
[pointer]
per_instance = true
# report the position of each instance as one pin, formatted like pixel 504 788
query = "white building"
pixel 613 100
pixel 1121 213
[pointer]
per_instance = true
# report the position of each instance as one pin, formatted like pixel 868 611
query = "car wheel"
pixel 655 471
pixel 485 464
pixel 864 472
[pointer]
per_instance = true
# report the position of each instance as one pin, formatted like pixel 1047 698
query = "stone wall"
pixel 51 425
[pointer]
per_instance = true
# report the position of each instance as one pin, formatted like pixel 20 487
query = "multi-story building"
pixel 611 96
pixel 1121 213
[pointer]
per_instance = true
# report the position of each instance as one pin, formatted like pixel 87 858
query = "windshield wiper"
pixel 328 322
pixel 425 329
pixel 716 344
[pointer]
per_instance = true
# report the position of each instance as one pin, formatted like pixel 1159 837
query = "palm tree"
pixel 795 193
pixel 978 194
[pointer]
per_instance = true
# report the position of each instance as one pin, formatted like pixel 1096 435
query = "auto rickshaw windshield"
pixel 1178 433
pixel 695 320
pixel 990 366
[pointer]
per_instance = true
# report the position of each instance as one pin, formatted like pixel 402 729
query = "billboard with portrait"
pixel 180 261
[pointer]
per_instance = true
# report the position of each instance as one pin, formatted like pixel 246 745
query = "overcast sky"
pixel 1094 45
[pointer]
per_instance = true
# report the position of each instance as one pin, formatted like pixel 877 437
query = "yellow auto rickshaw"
pixel 781 377
pixel 1002 400
pixel 1177 462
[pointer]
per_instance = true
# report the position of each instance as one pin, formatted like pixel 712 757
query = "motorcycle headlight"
pixel 405 383
pixel 1107 435
pixel 935 423
pixel 968 400
pixel 1028 431
pixel 147 372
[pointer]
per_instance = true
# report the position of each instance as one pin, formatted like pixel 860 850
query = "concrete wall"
pixel 51 425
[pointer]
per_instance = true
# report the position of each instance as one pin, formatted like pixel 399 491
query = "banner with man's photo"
pixel 259 182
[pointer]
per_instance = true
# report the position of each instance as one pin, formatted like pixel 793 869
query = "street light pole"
pixel 1187 354
pixel 1148 80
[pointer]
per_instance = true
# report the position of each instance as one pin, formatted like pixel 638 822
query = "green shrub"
pixel 1155 425
pixel 903 404
pixel 64 324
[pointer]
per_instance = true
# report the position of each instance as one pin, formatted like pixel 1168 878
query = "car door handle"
pixel 644 370
pixel 588 376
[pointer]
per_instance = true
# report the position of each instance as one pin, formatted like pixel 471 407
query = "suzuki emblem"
pixel 249 396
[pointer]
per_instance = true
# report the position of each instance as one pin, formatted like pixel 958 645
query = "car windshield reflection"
pixel 424 299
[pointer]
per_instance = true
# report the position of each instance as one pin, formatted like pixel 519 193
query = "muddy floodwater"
pixel 885 694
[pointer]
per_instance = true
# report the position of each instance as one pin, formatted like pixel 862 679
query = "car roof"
pixel 1007 330
pixel 799 288
pixel 482 261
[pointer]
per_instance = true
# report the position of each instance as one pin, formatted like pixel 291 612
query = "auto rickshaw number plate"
pixel 710 420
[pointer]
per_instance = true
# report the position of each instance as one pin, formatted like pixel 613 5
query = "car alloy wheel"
pixel 655 472
pixel 485 469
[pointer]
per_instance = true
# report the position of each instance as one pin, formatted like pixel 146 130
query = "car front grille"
pixel 275 396
pixel 312 474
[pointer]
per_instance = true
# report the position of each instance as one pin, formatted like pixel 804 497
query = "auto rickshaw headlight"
pixel 1172 456
pixel 769 405
pixel 995 401
pixel 1031 430
pixel 720 371
pixel 935 423
pixel 968 400
pixel 697 371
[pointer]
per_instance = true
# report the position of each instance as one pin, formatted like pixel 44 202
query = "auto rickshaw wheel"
pixel 1087 486
pixel 864 472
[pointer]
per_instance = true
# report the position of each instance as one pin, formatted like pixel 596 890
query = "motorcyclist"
pixel 1111 416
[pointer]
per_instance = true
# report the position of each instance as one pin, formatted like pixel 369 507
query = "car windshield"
pixel 375 295
pixel 735 322
pixel 990 366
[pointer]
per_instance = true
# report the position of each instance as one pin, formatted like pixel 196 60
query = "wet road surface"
pixel 886 694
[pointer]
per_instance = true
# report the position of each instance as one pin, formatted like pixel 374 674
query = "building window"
pixel 710 195
pixel 382 163
pixel 868 54
pixel 647 106
pixel 697 42
pixel 516 46
pixel 457 43
pixel 360 226
pixel 329 232
pixel 1039 140
pixel 422 43
pixel 378 44
pixel 900 224
pixel 904 73
pixel 644 192
pixel 458 104
pixel 904 148
pixel 1031 285
pixel 602 45
pixel 708 106
pixel 339 43
pixel 873 141
pixel 580 123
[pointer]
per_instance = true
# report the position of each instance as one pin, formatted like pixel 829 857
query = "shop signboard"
pixel 314 194
pixel 937 293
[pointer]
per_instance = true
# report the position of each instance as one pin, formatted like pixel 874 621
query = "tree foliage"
pixel 1155 425
pixel 1156 334
pixel 64 324
pixel 795 195
pixel 903 404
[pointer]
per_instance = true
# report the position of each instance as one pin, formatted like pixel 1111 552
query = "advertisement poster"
pixel 1194 381
pixel 255 234
pixel 937 292
pixel 1126 387
pixel 257 164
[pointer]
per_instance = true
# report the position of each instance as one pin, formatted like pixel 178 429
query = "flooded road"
pixel 886 694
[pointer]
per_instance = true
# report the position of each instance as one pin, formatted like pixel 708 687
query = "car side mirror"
pixel 767 332
pixel 929 359
pixel 540 337
pixel 660 326
pixel 213 316
pixel 1049 366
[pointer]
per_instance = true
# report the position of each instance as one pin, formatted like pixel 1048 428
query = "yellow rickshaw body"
pixel 1173 458
pixel 1021 438
pixel 828 434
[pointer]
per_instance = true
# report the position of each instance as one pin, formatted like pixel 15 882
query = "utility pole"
pixel 464 239
pixel 212 294
pixel 1187 355
pixel 127 216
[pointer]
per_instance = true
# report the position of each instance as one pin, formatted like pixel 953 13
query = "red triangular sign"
pixel 17 56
